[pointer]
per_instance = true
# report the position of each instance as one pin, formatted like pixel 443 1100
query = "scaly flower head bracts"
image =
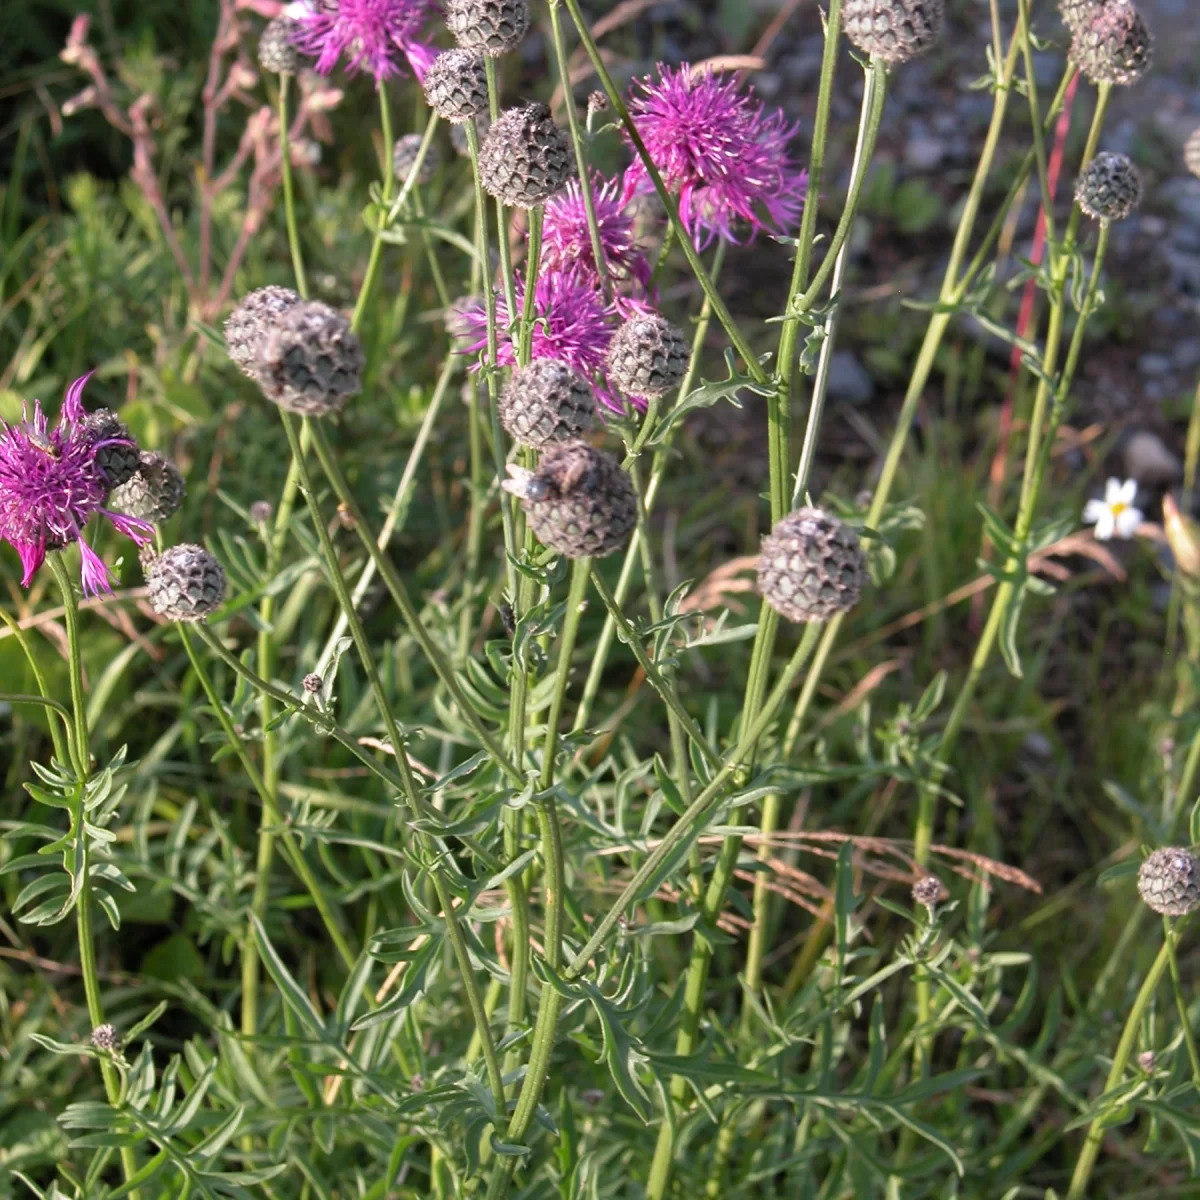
pixel 52 484
pixel 369 35
pixel 720 151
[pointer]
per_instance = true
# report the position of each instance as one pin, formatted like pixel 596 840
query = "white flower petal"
pixel 1128 521
pixel 1128 491
pixel 1093 510
pixel 1105 524
pixel 1112 491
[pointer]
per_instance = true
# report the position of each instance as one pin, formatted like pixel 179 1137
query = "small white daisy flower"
pixel 1115 515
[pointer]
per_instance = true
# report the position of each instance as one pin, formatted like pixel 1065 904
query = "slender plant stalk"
pixel 289 199
pixel 779 412
pixel 389 180
pixel 663 686
pixel 1095 1135
pixel 874 96
pixel 1035 463
pixel 580 147
pixel 550 1001
pixel 699 809
pixel 411 789
pixel 399 593
pixel 1185 1021
pixel 271 819
pixel 81 758
pixel 658 468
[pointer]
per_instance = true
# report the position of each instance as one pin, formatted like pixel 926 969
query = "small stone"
pixel 849 380
pixel 1148 460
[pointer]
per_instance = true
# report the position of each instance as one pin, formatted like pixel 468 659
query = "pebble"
pixel 1149 461
pixel 849 380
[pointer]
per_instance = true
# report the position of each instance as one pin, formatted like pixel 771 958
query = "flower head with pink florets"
pixel 51 485
pixel 574 324
pixel 566 241
pixel 370 35
pixel 719 151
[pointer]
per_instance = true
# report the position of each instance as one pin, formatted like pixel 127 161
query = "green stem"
pixel 1042 429
pixel 81 758
pixel 1095 1135
pixel 398 510
pixel 492 366
pixel 550 1002
pixel 664 687
pixel 789 334
pixel 271 817
pixel 1185 1021
pixel 704 803
pixel 289 199
pixel 399 593
pixel 749 358
pixel 657 472
pixel 533 262
pixel 577 141
pixel 870 115
pixel 373 262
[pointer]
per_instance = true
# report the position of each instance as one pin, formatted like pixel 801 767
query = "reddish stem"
pixel 1025 321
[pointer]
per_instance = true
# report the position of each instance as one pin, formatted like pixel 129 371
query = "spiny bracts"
pixel 647 356
pixel 811 566
pixel 1169 881
pixel 893 30
pixel 546 402
pixel 256 313
pixel 311 361
pixel 1110 187
pixel 579 501
pixel 456 86
pixel 525 158
pixel 185 583
pixel 153 492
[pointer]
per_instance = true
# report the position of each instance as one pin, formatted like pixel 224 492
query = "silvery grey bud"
pixel 811 566
pixel 893 30
pixel 525 158
pixel 647 356
pixel 276 53
pixel 311 361
pixel 491 27
pixel 153 492
pixel 456 86
pixel 247 326
pixel 404 157
pixel 105 1037
pixel 185 583
pixel 1169 881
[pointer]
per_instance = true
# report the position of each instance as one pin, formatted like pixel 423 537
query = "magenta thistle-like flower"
pixel 566 241
pixel 50 487
pixel 719 151
pixel 370 35
pixel 573 325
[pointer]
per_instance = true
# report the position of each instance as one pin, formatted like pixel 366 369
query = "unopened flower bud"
pixel 313 683
pixel 1183 536
pixel 105 1037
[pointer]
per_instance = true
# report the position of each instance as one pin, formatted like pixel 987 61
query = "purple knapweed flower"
pixel 370 35
pixel 573 322
pixel 719 151
pixel 50 487
pixel 567 243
